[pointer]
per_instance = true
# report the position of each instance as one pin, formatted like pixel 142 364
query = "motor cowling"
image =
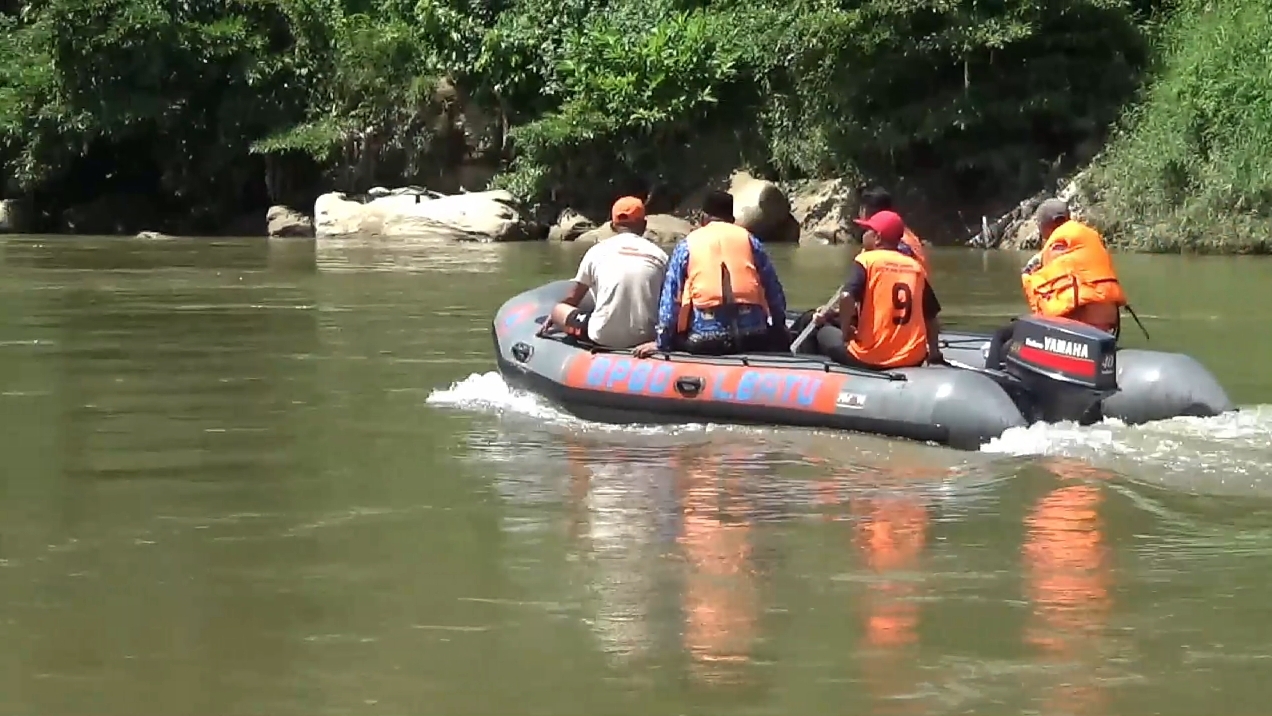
pixel 1066 367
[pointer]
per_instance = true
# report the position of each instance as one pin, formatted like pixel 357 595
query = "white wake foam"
pixel 1247 429
pixel 1231 452
pixel 488 393
pixel 1228 451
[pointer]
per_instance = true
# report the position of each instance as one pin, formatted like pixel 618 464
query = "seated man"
pixel 876 200
pixel 1072 276
pixel 887 308
pixel 721 291
pixel 624 273
pixel 872 201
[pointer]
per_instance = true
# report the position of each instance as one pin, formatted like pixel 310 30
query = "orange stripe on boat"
pixel 807 390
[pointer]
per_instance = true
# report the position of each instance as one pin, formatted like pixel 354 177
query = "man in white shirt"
pixel 625 275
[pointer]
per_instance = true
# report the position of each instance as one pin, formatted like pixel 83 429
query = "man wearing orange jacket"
pixel 887 309
pixel 721 294
pixel 1072 277
pixel 876 200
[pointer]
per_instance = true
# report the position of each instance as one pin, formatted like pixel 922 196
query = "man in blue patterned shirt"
pixel 721 291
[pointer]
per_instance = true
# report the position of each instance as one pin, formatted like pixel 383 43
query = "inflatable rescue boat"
pixel 1055 370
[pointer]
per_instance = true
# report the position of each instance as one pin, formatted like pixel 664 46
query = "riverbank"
pixel 211 120
pixel 813 212
pixel 1187 170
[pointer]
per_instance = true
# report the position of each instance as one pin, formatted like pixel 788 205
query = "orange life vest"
pixel 891 330
pixel 1076 279
pixel 915 245
pixel 720 262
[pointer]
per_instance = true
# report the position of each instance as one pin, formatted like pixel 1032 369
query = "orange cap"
pixel 628 208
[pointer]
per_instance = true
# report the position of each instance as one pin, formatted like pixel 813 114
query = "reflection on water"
pixel 891 532
pixel 667 534
pixel 721 600
pixel 1068 577
pixel 619 509
pixel 364 254
pixel 667 522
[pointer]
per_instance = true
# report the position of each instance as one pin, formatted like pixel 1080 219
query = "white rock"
pixel 287 222
pixel 659 228
pixel 569 226
pixel 479 216
pixel 11 217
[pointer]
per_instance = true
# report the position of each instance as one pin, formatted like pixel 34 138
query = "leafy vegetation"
pixel 214 109
pixel 1191 169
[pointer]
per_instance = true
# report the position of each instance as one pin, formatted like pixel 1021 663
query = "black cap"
pixel 718 204
pixel 1051 211
pixel 876 199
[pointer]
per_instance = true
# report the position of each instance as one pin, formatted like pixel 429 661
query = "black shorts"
pixel 830 343
pixel 717 345
pixel 576 324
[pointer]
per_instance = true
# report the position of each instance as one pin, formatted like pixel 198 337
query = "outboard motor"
pixel 1066 367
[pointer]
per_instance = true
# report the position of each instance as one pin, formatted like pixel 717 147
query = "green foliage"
pixel 633 85
pixel 372 86
pixel 1191 170
pixel 966 100
pixel 980 92
pixel 32 113
pixel 959 93
pixel 138 96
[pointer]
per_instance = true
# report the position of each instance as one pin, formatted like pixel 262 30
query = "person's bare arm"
pixel 847 315
pixel 577 292
pixel 933 325
pixel 572 299
pixel 850 298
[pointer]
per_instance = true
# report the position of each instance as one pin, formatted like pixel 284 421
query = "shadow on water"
pixel 112 253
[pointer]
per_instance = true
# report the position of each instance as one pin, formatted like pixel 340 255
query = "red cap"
pixel 887 224
pixel 628 208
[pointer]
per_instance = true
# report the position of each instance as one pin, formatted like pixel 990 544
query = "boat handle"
pixel 689 386
pixel 522 352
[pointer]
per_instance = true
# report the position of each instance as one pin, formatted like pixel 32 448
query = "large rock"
pixel 470 139
pixel 763 208
pixel 285 222
pixel 479 216
pixel 570 226
pixel 13 217
pixel 659 228
pixel 824 210
pixel 1021 231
